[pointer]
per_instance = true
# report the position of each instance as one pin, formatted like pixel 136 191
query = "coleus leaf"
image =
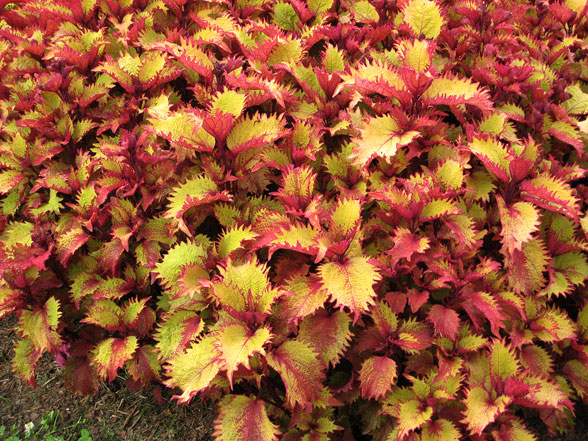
pixel 40 326
pixel 194 369
pixel 526 266
pixel 414 335
pixel 111 354
pixel 10 299
pixel 553 325
pixel 423 17
pixel 519 222
pixel 345 219
pixel 192 193
pixel 440 430
pixel 482 409
pixel 573 266
pixel 503 362
pixel 350 284
pixel 301 371
pixel 329 335
pixel 319 6
pixel 235 343
pixel 412 415
pixel 257 131
pixel 577 104
pixel 406 244
pixel 438 208
pixel 175 332
pixel 453 91
pixel 25 360
pixel 364 12
pixel 445 320
pixel 295 236
pixel 513 430
pixel 69 241
pixel 242 418
pixel 233 239
pixel 144 367
pixel 377 376
pixel 493 155
pixel 182 254
pixel 552 194
pixel 305 295
pixel 244 288
pixel 104 313
pixel 545 393
pixel 380 137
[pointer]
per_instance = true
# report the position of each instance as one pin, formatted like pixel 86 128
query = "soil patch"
pixel 114 413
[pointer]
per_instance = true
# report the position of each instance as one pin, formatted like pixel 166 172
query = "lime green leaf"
pixel 450 174
pixel 25 360
pixel 176 331
pixel 245 288
pixel 573 266
pixel 230 102
pixel 232 240
pixel 329 334
pixel 438 208
pixel 364 12
pixel 17 233
pixel 194 369
pixel 255 131
pixel 503 361
pixel 346 216
pixel 285 16
pixel 519 222
pixel 526 266
pixel 333 60
pixel 577 104
pixel 350 284
pixel 417 54
pixel 423 17
pixel 319 6
pixel 152 64
pixel 236 343
pixel 412 415
pixel 185 253
pixel 192 193
pixel 482 410
pixel 104 313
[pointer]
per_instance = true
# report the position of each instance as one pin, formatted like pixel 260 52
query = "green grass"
pixel 49 428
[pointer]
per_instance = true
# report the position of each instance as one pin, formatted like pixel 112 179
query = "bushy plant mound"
pixel 336 217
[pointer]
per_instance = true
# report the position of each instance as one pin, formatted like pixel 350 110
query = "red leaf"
pixel 445 321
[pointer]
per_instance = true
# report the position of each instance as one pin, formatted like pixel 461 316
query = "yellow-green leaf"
pixel 194 369
pixel 350 284
pixel 380 137
pixel 424 18
pixel 243 418
pixel 236 343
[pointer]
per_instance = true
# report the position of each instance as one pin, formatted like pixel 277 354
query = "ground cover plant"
pixel 339 219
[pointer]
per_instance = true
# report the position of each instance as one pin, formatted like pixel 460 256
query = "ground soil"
pixel 113 414
pixel 118 414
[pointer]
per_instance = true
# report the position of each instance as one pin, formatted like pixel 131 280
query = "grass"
pixel 48 428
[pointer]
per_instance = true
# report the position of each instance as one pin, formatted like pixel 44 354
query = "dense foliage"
pixel 336 217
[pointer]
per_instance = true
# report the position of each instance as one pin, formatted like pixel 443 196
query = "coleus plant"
pixel 340 219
